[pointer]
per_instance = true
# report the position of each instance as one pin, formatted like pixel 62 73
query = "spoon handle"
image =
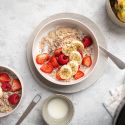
pixel 115 59
pixel 29 108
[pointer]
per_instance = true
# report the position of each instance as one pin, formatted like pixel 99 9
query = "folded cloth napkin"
pixel 114 99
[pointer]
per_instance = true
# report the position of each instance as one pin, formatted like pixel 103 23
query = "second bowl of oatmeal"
pixel 11 90
pixel 65 51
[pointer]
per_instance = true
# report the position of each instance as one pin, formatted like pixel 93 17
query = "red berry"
pixel 58 51
pixel 16 86
pixel 87 41
pixel 87 61
pixel 41 58
pixel 54 62
pixel 6 87
pixel 4 77
pixel 14 99
pixel 63 59
pixel 78 75
pixel 47 68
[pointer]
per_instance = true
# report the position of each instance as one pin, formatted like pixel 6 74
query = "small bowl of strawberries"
pixel 65 51
pixel 11 90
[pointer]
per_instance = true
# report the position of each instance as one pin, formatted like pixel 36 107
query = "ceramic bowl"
pixel 67 22
pixel 51 121
pixel 112 15
pixel 15 75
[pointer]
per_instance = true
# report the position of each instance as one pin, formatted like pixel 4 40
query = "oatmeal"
pixel 10 92
pixel 70 53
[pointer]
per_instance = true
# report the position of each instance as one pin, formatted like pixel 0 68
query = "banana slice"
pixel 74 66
pixel 69 48
pixel 1 92
pixel 78 44
pixel 76 56
pixel 65 72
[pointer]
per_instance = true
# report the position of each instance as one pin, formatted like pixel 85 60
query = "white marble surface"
pixel 18 18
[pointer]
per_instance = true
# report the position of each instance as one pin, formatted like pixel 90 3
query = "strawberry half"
pixel 87 41
pixel 41 58
pixel 58 52
pixel 54 62
pixel 58 76
pixel 14 99
pixel 47 68
pixel 87 61
pixel 16 86
pixel 78 75
pixel 6 87
pixel 4 77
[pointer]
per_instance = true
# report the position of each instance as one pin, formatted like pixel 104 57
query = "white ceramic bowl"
pixel 69 22
pixel 112 15
pixel 16 75
pixel 63 121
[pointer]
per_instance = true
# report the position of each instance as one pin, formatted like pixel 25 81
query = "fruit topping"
pixel 87 41
pixel 6 87
pixel 76 56
pixel 58 76
pixel 68 49
pixel 16 86
pixel 74 66
pixel 42 58
pixel 54 62
pixel 4 77
pixel 58 52
pixel 78 44
pixel 14 99
pixel 47 68
pixel 65 72
pixel 81 52
pixel 87 61
pixel 78 75
pixel 63 59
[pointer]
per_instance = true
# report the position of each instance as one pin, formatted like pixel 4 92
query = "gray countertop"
pixel 18 19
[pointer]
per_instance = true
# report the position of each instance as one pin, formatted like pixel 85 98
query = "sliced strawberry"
pixel 4 77
pixel 41 58
pixel 87 41
pixel 47 68
pixel 14 99
pixel 16 86
pixel 78 75
pixel 87 61
pixel 58 76
pixel 6 87
pixel 54 62
pixel 58 51
pixel 63 59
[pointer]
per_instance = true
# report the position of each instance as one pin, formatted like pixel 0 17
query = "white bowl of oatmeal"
pixel 65 51
pixel 11 90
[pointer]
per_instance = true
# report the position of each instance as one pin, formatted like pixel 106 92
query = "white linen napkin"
pixel 113 101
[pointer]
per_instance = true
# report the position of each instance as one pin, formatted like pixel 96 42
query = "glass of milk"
pixel 57 110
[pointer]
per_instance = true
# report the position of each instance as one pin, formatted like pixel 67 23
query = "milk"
pixel 57 108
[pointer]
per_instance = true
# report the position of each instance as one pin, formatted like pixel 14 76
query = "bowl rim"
pixel 22 85
pixel 112 15
pixel 57 82
pixel 46 101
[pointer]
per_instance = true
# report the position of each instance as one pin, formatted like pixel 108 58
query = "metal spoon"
pixel 35 100
pixel 115 59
